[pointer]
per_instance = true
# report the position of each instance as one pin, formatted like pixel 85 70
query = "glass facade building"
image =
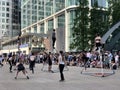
pixel 41 16
pixel 9 18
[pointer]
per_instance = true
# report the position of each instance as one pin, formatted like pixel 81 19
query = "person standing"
pixel 61 62
pixel 32 62
pixel 49 62
pixel 10 60
pixel 53 38
pixel 21 67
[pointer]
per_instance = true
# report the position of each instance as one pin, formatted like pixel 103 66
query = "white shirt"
pixel 32 58
pixel 60 60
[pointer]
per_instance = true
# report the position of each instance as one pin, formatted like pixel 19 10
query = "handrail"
pixel 112 43
pixel 106 35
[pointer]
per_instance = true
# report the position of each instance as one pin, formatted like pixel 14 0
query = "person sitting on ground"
pixel 20 67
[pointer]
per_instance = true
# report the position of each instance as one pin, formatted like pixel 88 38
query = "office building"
pixel 42 16
pixel 9 19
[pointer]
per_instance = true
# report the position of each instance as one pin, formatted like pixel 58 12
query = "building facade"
pixel 42 16
pixel 9 18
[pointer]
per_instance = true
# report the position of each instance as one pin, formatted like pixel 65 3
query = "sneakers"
pixel 15 77
pixel 10 71
pixel 61 80
pixel 27 77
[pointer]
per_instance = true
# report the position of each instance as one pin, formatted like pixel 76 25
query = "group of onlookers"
pixel 92 59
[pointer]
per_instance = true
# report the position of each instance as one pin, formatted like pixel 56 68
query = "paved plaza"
pixel 50 81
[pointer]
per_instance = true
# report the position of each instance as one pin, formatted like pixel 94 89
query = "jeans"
pixel 61 68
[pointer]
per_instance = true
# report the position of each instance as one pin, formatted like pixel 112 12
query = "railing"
pixel 106 35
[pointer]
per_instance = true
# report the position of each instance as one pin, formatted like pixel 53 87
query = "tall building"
pixel 41 17
pixel 9 18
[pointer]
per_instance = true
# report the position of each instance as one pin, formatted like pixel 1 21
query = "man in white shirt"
pixel 61 61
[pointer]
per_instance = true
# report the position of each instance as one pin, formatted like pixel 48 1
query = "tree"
pixel 80 27
pixel 114 11
pixel 98 22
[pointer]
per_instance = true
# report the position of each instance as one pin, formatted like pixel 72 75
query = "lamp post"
pixel 18 41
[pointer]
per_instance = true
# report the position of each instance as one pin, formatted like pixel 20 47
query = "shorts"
pixel 98 44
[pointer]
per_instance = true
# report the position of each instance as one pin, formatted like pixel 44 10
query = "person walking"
pixel 61 63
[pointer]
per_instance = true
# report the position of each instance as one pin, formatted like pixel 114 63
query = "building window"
pixel 3 3
pixel 35 29
pixel 3 14
pixel 61 20
pixel 42 28
pixel 7 15
pixel 3 8
pixel 50 24
pixel 3 20
pixel 7 3
pixel 3 26
pixel 7 26
pixel 7 20
pixel 7 9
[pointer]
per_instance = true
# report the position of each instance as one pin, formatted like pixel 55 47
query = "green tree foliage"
pixel 114 11
pixel 80 28
pixel 98 22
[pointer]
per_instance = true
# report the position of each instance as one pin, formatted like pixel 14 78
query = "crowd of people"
pixel 91 59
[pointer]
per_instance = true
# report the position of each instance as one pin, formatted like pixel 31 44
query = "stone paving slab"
pixel 50 81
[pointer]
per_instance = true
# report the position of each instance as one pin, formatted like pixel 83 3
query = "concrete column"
pixel 38 28
pixel 66 31
pixel 55 23
pixel 32 29
pixel 45 26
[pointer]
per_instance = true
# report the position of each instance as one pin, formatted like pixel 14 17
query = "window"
pixel 7 3
pixel 3 26
pixel 7 26
pixel 7 15
pixel 3 20
pixel 3 3
pixel 3 14
pixel 7 20
pixel 7 9
pixel 3 8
